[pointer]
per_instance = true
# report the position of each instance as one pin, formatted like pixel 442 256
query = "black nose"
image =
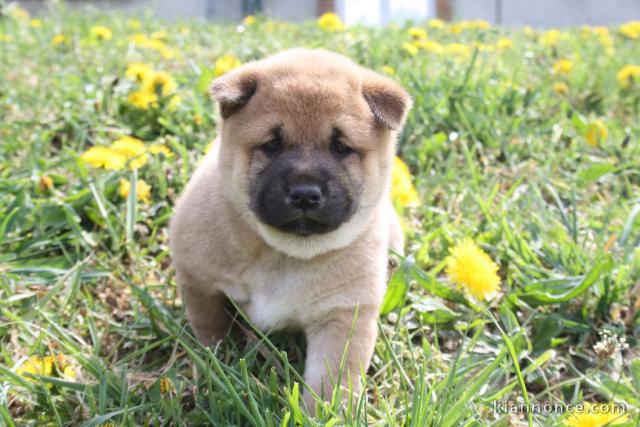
pixel 305 196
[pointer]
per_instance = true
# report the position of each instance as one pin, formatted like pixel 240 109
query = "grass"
pixel 497 155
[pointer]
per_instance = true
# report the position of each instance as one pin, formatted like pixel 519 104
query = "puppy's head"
pixel 307 144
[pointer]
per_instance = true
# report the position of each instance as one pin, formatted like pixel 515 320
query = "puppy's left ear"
pixel 388 101
pixel 234 90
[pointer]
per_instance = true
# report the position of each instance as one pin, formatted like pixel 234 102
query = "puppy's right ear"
pixel 234 90
pixel 388 101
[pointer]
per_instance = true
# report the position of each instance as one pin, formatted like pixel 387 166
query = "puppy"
pixel 289 214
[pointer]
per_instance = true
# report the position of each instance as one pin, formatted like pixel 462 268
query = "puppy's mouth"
pixel 305 226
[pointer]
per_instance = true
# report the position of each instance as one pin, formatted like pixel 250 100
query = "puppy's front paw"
pixel 326 346
pixel 206 312
pixel 208 337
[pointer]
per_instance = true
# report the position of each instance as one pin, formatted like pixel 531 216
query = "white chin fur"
pixel 307 247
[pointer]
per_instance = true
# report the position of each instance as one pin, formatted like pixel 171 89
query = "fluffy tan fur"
pixel 314 283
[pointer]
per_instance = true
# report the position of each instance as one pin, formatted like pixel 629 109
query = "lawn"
pixel 523 141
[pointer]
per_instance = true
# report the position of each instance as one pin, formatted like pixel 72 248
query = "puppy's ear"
pixel 388 101
pixel 234 90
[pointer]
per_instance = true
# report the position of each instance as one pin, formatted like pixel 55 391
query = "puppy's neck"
pixel 308 247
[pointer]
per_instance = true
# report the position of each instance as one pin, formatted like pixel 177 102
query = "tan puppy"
pixel 289 214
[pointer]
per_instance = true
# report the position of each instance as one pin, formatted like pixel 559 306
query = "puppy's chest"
pixel 280 304
pixel 274 299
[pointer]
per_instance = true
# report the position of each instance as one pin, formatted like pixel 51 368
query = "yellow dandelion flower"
pixel 606 40
pixel 69 372
pixel 143 99
pixel 5 37
pixel 388 69
pixel 473 270
pixel 528 31
pixel 478 24
pixel 561 88
pixel 48 366
pixel 59 39
pixel 504 43
pixel 595 415
pixel 160 149
pixel 143 190
pixel 36 365
pixel 249 20
pixel 225 63
pixel 63 367
pixel 139 71
pixel 552 37
pixel 458 49
pixel 585 31
pixel 601 31
pixel 436 23
pixel 35 23
pixel 100 32
pixel 129 145
pixel 596 132
pixel 456 28
pixel 429 46
pixel 410 48
pixel 331 22
pixel 631 29
pixel 166 386
pixel 403 193
pixel 125 188
pixel 104 157
pixel 45 183
pixel 563 67
pixel 139 39
pixel 417 33
pixel 133 149
pixel 160 82
pixel 628 75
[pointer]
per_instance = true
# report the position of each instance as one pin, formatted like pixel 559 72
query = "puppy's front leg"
pixel 205 309
pixel 326 346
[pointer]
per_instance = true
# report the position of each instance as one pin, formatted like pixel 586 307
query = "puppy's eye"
pixel 272 147
pixel 340 148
